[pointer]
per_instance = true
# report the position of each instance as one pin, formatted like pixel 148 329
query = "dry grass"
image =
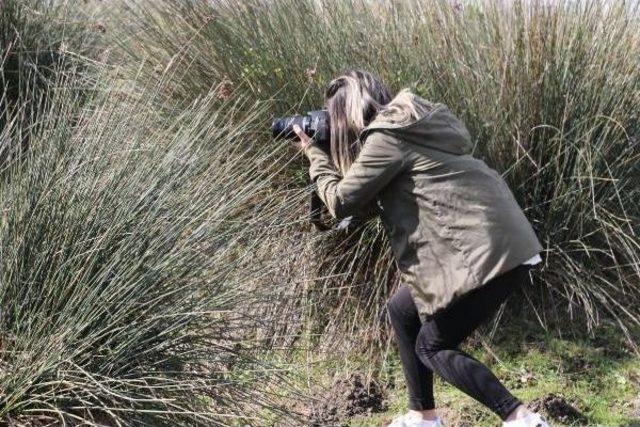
pixel 153 237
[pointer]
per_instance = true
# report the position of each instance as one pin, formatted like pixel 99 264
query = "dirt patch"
pixel 347 398
pixel 577 364
pixel 634 376
pixel 634 413
pixel 556 407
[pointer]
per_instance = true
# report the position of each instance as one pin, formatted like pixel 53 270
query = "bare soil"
pixel 347 398
pixel 557 408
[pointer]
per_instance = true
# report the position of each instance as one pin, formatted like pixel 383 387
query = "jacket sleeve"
pixel 381 159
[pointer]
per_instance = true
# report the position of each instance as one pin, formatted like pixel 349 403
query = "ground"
pixel 574 377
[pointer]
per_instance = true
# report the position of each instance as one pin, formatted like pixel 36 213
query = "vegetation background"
pixel 156 262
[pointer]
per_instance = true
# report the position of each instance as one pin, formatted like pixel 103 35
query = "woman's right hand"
pixel 304 140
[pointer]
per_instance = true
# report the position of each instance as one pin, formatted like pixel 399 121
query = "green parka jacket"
pixel 452 221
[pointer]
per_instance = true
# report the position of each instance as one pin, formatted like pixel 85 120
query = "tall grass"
pixel 153 238
pixel 40 39
pixel 549 90
pixel 119 244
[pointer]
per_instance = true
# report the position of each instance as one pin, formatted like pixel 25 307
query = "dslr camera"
pixel 314 123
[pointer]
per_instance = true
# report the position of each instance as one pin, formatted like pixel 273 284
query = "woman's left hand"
pixel 304 140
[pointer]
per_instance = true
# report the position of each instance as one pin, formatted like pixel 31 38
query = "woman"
pixel 460 240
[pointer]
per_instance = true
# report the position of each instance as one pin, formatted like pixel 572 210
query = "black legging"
pixel 433 345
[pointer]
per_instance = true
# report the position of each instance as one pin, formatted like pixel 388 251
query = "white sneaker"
pixel 408 421
pixel 534 420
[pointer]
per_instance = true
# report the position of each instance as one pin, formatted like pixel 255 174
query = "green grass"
pixel 598 375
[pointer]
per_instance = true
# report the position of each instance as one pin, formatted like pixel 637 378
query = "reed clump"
pixel 41 39
pixel 154 238
pixel 119 244
pixel 548 90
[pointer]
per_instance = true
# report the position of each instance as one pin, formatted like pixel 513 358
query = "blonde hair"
pixel 356 99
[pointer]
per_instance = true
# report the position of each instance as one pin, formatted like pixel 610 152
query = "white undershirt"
pixel 533 260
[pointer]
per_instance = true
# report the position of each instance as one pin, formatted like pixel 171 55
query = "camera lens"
pixel 282 127
pixel 278 126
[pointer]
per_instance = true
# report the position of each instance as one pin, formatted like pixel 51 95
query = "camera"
pixel 314 123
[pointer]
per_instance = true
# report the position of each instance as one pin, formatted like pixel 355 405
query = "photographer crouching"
pixel 461 242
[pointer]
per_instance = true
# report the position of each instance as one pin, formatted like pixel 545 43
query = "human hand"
pixel 304 140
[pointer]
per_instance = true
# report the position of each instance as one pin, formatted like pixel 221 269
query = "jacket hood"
pixel 437 128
